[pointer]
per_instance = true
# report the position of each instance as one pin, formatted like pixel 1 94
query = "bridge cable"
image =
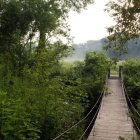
pixel 130 100
pixel 80 120
pixel 90 122
pixel 134 121
pixel 138 129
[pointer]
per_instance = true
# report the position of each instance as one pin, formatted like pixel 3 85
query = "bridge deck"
pixel 112 120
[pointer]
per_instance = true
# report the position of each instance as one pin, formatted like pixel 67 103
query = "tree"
pixel 38 100
pixel 43 16
pixel 126 15
pixel 22 21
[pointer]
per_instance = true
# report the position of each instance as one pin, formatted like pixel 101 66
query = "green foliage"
pixel 132 75
pixel 132 82
pixel 95 73
pixel 40 97
pixel 126 14
pixel 16 122
pixel 49 98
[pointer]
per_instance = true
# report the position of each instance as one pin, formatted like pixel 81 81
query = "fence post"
pixel 120 71
pixel 108 72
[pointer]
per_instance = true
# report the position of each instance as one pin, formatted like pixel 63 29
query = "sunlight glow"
pixel 91 23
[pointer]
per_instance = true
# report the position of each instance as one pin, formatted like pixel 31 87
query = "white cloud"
pixel 90 24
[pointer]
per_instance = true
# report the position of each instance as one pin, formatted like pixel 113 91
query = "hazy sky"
pixel 90 24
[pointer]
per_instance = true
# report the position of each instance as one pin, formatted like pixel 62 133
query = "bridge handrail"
pixel 90 122
pixel 126 95
pixel 94 114
pixel 138 129
pixel 131 102
pixel 81 119
pixel 129 98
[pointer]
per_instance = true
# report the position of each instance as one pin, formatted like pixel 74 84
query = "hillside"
pixel 132 48
pixel 80 50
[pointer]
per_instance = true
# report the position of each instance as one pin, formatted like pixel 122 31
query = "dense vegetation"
pixel 132 82
pixel 126 15
pixel 132 49
pixel 45 102
pixel 40 96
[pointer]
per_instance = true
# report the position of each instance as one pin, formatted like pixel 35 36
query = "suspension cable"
pixel 90 122
pixel 138 129
pixel 80 120
pixel 130 101
pixel 134 121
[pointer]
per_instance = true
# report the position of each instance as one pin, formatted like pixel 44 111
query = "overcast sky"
pixel 90 24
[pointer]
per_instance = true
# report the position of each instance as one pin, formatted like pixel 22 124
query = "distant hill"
pixel 132 48
pixel 80 50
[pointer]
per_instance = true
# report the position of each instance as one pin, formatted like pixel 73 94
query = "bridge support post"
pixel 120 71
pixel 108 73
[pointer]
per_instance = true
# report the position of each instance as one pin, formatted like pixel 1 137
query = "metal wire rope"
pixel 80 120
pixel 134 121
pixel 91 122
pixel 130 101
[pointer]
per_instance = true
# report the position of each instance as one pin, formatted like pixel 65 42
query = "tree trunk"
pixel 42 40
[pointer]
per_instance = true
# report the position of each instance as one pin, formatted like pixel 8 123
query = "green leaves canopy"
pixel 127 17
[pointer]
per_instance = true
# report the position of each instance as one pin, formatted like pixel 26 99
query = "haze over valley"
pixel 80 50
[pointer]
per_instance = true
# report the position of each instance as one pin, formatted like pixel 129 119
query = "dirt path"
pixel 113 121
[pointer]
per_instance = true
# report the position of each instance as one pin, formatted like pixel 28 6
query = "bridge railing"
pixel 83 119
pixel 98 103
pixel 120 71
pixel 131 108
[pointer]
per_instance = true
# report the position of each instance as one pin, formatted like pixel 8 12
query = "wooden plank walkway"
pixel 113 120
